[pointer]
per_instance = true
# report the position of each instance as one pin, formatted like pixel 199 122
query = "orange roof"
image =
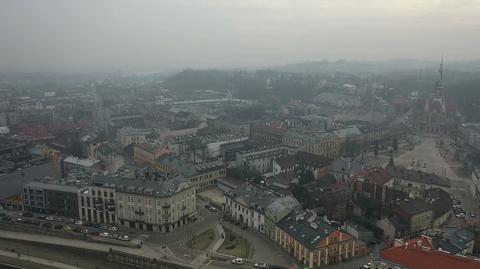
pixel 419 254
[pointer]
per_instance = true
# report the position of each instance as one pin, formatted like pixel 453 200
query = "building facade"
pixel 312 241
pixel 156 206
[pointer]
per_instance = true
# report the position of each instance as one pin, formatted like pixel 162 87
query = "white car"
pixel 238 261
pixel 113 229
pixel 261 265
pixel 49 218
pixel 124 238
pixel 79 222
pixel 105 235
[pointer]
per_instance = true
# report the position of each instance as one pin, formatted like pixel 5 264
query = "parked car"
pixel 67 228
pixel 41 217
pixel 113 236
pixel 26 214
pixel 124 238
pixel 47 225
pixel 261 265
pixel 103 227
pixel 79 222
pixel 58 226
pixel 113 229
pixel 104 234
pixel 49 218
pixel 213 209
pixel 238 261
pixel 6 218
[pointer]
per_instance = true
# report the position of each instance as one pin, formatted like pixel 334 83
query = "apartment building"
pixel 155 205
pixel 260 160
pixel 202 176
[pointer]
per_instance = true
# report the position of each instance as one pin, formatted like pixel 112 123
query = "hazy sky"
pixel 71 35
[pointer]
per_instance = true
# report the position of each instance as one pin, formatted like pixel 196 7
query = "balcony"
pixel 139 213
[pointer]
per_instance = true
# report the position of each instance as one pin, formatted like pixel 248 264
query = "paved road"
pixel 10 184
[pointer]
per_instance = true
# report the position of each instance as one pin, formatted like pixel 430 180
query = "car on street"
pixel 472 215
pixel 113 236
pixel 67 228
pixel 47 225
pixel 6 218
pixel 104 234
pixel 49 218
pixel 72 221
pixel 261 265
pixel 19 220
pixel 124 238
pixel 238 261
pixel 41 217
pixel 58 226
pixel 213 209
pixel 26 214
pixel 103 227
pixel 113 229
pixel 79 222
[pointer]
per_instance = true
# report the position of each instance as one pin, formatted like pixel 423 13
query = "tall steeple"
pixel 440 70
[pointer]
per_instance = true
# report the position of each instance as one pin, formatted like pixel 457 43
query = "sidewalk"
pixel 31 259
pixel 199 261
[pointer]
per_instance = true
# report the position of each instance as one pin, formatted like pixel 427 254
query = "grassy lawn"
pixel 234 245
pixel 203 240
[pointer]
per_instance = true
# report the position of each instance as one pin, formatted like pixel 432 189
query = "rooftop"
pixel 252 196
pixel 422 177
pixel 80 162
pixel 419 254
pixel 413 206
pixel 306 228
pixel 163 188
pixel 52 186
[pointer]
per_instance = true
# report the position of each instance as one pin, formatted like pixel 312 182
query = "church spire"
pixel 440 70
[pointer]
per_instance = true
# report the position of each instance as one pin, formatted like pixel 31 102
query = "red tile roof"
pixel 377 175
pixel 419 254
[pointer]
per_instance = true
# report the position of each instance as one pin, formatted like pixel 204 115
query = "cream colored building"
pixel 156 205
pixel 324 144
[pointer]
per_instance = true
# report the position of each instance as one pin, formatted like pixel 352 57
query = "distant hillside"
pixel 375 67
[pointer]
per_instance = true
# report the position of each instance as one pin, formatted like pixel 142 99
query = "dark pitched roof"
pixel 439 200
pixel 413 206
pixel 422 177
pixel 306 228
pixel 376 175
pixel 286 162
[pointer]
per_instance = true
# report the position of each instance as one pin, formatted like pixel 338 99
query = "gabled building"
pixel 276 211
pixel 415 213
pixel 312 241
pixel 416 182
pixel 202 176
pixel 247 204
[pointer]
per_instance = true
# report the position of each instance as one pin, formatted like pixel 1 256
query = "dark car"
pixel 47 225
pixel 36 222
pixel 6 218
pixel 27 214
pixel 77 230
pixel 27 221
pixel 58 226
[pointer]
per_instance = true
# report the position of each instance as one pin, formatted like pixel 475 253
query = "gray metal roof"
pixel 306 228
